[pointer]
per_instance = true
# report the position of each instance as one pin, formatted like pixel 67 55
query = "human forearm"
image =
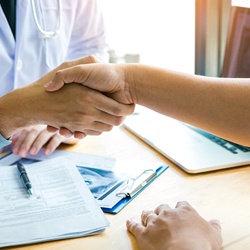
pixel 218 105
pixel 16 112
pixel 16 106
pixel 75 109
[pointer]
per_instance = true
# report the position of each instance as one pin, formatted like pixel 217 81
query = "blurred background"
pixel 162 33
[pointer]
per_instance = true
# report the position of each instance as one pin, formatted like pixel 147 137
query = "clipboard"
pixel 134 187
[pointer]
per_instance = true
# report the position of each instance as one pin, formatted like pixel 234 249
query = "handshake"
pixel 100 100
pixel 81 97
pixel 87 97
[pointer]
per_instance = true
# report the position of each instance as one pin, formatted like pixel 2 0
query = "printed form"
pixel 62 205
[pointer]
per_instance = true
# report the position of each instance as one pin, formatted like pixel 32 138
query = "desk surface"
pixel 223 195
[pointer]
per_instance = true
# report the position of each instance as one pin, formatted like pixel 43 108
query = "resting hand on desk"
pixel 181 228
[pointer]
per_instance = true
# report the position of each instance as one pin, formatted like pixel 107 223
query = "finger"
pixel 104 121
pixel 65 132
pixel 92 132
pixel 135 228
pixel 17 141
pixel 77 74
pixel 40 141
pixel 14 138
pixel 96 128
pixel 84 60
pixel 70 140
pixel 182 204
pixel 147 216
pixel 112 107
pixel 25 141
pixel 161 208
pixel 79 135
pixel 58 82
pixel 52 129
pixel 54 142
pixel 215 224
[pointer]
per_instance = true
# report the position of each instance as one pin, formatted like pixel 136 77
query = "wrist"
pixel 16 110
pixel 130 72
pixel 9 115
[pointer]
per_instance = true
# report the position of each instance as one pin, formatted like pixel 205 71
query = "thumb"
pixel 215 224
pixel 134 227
pixel 218 235
pixel 61 77
pixel 75 74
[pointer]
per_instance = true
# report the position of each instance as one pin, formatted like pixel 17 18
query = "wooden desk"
pixel 224 195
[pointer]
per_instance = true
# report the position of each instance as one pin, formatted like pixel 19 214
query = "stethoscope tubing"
pixel 44 33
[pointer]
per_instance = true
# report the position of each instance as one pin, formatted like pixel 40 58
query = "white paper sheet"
pixel 62 205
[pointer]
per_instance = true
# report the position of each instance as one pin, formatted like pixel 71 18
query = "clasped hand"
pixel 110 86
pixel 74 110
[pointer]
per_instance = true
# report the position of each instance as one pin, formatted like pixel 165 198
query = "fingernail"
pixel 22 153
pixel 33 151
pixel 47 151
pixel 218 222
pixel 48 84
pixel 15 150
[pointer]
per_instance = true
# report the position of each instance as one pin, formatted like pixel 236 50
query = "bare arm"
pixel 75 108
pixel 218 105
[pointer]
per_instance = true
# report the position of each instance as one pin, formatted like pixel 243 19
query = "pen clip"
pixel 134 185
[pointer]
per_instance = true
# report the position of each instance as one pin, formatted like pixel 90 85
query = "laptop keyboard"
pixel 230 146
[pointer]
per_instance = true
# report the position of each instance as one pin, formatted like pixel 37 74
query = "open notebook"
pixel 192 149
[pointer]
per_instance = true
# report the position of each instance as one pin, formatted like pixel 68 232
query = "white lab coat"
pixel 30 56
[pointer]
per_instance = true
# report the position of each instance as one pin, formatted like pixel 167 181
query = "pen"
pixel 24 177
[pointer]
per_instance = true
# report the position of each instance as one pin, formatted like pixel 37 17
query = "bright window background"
pixel 243 3
pixel 161 31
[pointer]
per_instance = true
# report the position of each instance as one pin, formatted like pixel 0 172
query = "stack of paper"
pixel 62 206
pixel 114 182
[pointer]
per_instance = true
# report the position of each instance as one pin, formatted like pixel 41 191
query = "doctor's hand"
pixel 176 229
pixel 83 110
pixel 31 139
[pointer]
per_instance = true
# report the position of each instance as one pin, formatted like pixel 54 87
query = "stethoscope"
pixel 44 33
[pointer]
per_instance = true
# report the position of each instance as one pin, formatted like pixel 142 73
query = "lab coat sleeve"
pixel 88 34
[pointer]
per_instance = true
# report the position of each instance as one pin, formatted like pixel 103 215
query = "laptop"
pixel 190 148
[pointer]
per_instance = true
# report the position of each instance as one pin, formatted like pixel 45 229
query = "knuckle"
pixel 165 212
pixel 109 128
pixel 58 74
pixel 186 207
pixel 66 64
pixel 93 59
pixel 117 120
pixel 118 110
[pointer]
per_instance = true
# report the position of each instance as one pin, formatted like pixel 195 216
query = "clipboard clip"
pixel 134 185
